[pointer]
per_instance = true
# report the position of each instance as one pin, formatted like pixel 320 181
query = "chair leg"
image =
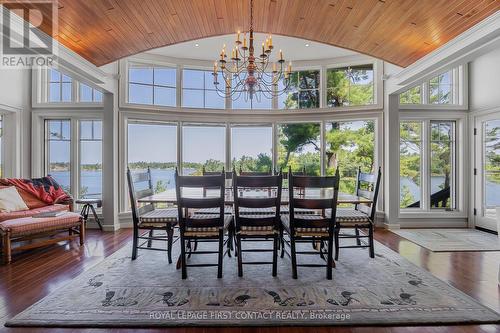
pixel 329 263
pixel 183 257
pixel 275 255
pixel 229 242
pixel 96 218
pixel 7 255
pixel 337 245
pixel 282 246
pixel 294 256
pixel 82 232
pixel 358 240
pixel 134 243
pixel 221 254
pixel 170 235
pixel 240 261
pixel 150 241
pixel 370 240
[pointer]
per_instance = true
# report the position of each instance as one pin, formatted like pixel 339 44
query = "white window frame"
pixel 204 89
pixel 237 120
pixel 40 92
pixel 460 179
pixel 321 65
pixel 201 124
pixel 460 88
pixel 374 83
pixel 38 141
pixel 79 84
pixel 124 78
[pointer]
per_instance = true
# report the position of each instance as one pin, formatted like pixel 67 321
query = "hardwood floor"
pixel 35 274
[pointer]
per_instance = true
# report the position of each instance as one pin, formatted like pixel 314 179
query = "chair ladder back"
pixel 133 179
pixel 318 182
pixel 373 185
pixel 257 182
pixel 184 204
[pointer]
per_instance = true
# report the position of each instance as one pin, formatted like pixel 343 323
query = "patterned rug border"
pixel 104 323
pixel 401 232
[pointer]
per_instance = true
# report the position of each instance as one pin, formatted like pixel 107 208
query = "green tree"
pixel 160 186
pixel 350 145
pixel 294 137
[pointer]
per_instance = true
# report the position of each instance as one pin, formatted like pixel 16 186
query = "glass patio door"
pixel 487 171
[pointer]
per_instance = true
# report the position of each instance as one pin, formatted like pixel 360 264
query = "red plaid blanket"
pixel 45 189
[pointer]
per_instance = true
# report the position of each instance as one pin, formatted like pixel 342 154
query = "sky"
pixel 200 143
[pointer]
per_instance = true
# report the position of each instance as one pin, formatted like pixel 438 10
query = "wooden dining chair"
pixel 361 216
pixel 307 228
pixel 201 227
pixel 147 219
pixel 228 209
pixel 257 217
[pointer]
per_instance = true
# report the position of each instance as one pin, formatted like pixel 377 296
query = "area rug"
pixel 450 240
pixel 148 292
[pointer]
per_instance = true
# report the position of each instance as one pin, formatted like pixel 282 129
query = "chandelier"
pixel 243 72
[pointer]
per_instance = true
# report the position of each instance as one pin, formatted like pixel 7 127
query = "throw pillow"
pixel 11 201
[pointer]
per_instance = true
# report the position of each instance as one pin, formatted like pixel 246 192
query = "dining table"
pixel 170 197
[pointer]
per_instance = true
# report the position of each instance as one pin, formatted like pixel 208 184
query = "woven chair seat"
pixel 207 231
pixel 214 210
pixel 285 209
pixel 305 232
pixel 254 230
pixel 346 216
pixel 158 217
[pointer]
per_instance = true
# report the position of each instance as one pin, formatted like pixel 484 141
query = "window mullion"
pixel 426 170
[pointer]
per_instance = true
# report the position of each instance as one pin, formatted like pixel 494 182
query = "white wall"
pixel 15 103
pixel 484 81
pixel 13 84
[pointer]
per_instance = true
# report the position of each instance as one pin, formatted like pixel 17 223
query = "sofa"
pixel 23 227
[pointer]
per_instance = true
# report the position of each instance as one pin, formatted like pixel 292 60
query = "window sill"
pixel 440 214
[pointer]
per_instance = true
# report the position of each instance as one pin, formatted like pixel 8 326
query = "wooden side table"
pixel 88 205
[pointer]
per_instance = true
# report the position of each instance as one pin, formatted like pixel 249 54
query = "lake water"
pixel 92 180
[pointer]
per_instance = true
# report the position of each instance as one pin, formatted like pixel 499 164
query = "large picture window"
pixel 299 147
pixel 196 138
pixel 303 92
pixel 198 90
pixel 350 86
pixel 90 159
pixel 152 85
pixel 252 147
pixel 427 164
pixel 442 152
pixel 58 151
pixel 349 145
pixel 153 145
pixel 83 178
pixel 60 87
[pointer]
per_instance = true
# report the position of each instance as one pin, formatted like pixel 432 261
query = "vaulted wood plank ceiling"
pixel 398 31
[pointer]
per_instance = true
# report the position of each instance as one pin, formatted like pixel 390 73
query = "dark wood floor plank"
pixel 35 274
